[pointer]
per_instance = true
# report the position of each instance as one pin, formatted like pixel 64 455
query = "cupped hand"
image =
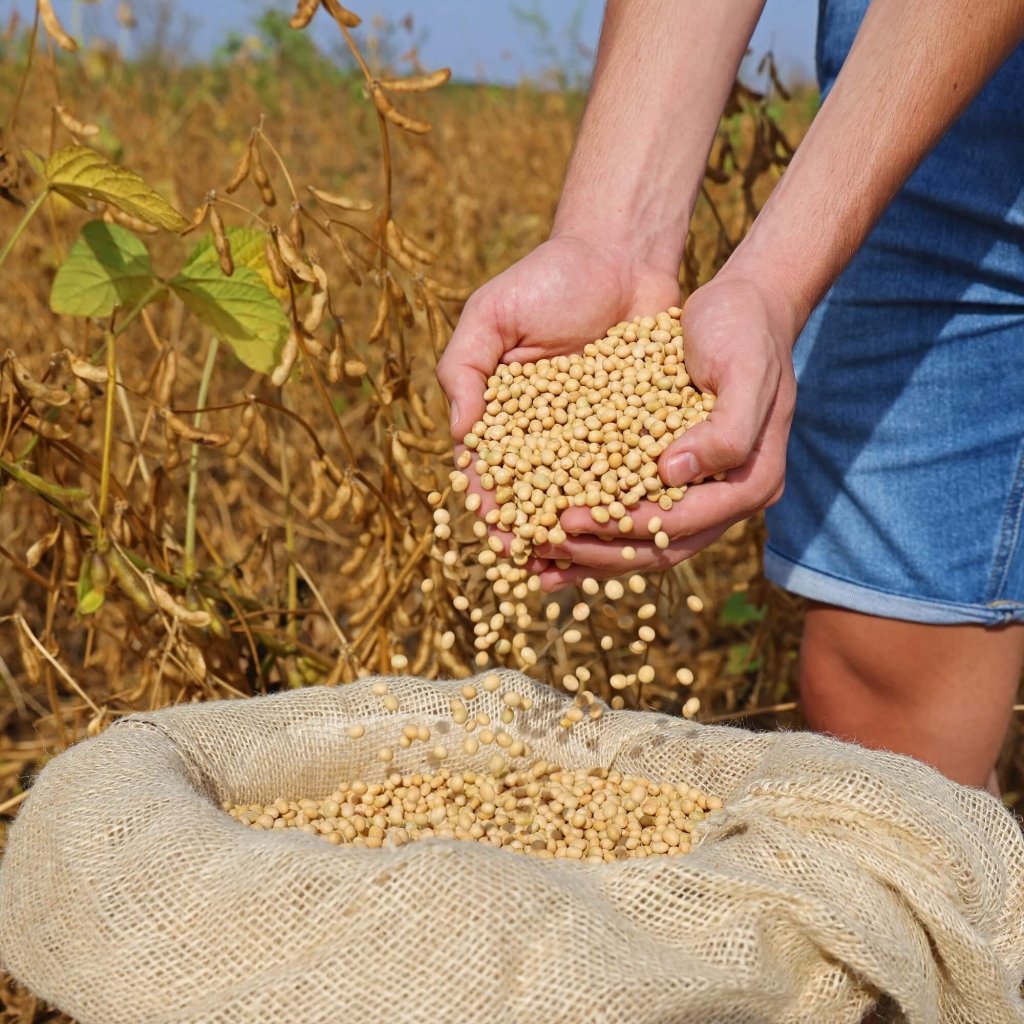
pixel 560 297
pixel 737 341
pixel 554 301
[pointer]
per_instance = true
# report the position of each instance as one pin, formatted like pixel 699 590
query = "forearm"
pixel 663 73
pixel 914 66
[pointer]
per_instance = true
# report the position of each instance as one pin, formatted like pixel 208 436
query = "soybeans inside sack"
pixel 831 876
pixel 593 815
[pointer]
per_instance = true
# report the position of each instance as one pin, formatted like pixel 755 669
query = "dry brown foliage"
pixel 379 206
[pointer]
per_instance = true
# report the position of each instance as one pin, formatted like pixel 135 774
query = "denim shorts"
pixel 905 479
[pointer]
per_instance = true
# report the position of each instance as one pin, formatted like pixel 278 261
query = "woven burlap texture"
pixel 834 875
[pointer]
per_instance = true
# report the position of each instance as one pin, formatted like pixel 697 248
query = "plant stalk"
pixel 30 212
pixel 193 461
pixel 108 433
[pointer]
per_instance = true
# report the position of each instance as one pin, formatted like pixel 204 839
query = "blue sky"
pixel 476 38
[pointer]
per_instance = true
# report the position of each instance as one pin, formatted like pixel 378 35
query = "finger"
pixel 726 438
pixel 648 559
pixel 745 490
pixel 613 557
pixel 579 522
pixel 475 349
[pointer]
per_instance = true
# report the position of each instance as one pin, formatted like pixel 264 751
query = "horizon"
pixel 501 43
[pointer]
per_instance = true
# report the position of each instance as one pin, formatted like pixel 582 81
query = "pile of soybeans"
pixel 589 814
pixel 583 430
pixel 598 816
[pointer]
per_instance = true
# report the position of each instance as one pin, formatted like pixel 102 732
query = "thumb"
pixel 726 439
pixel 472 354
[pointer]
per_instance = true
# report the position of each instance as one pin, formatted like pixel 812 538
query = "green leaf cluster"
pixel 109 268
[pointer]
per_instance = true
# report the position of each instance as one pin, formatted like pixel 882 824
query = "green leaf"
pixel 738 611
pixel 80 173
pixel 108 267
pixel 248 249
pixel 239 309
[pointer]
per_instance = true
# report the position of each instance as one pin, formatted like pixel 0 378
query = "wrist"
pixel 624 239
pixel 774 289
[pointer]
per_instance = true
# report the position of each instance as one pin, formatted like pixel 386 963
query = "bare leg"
pixel 943 694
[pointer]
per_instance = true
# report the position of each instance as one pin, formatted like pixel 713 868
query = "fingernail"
pixel 682 468
pixel 454 414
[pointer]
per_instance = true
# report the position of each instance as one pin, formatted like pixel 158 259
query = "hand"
pixel 737 343
pixel 554 301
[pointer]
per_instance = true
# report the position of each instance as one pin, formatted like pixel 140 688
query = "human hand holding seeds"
pixel 562 295
pixel 738 342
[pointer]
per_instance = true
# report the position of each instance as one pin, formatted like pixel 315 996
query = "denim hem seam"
pixel 831 589
pixel 1008 534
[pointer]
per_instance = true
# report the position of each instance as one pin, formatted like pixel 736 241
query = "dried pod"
pixel 417 83
pixel 54 28
pixel 84 370
pixel 112 215
pixel 83 402
pixel 295 232
pixel 413 248
pixel 198 219
pixel 35 553
pixel 242 434
pixel 393 242
pixel 316 502
pixel 381 319
pixel 419 410
pixel 400 302
pixel 260 176
pixel 340 201
pixel 165 602
pixel 277 268
pixel 447 292
pixel 342 15
pixel 208 438
pixel 342 496
pixel 318 304
pixel 295 263
pixel 73 125
pixel 336 359
pixel 400 455
pixel 393 114
pixel 165 382
pixel 221 243
pixel 54 397
pixel 262 433
pixel 304 11
pixel 242 169
pixel 289 355
pixel 44 428
pixel 433 446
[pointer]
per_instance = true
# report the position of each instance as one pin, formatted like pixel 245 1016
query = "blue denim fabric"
pixel 905 479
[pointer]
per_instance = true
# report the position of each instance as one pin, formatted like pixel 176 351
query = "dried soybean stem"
pixel 29 635
pixel 30 212
pixel 384 605
pixel 193 462
pixel 292 625
pixel 108 433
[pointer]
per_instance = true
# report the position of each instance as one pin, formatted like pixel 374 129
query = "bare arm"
pixel 663 73
pixel 915 65
pixel 913 68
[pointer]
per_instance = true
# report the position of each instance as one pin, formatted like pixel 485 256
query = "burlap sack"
pixel 833 876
